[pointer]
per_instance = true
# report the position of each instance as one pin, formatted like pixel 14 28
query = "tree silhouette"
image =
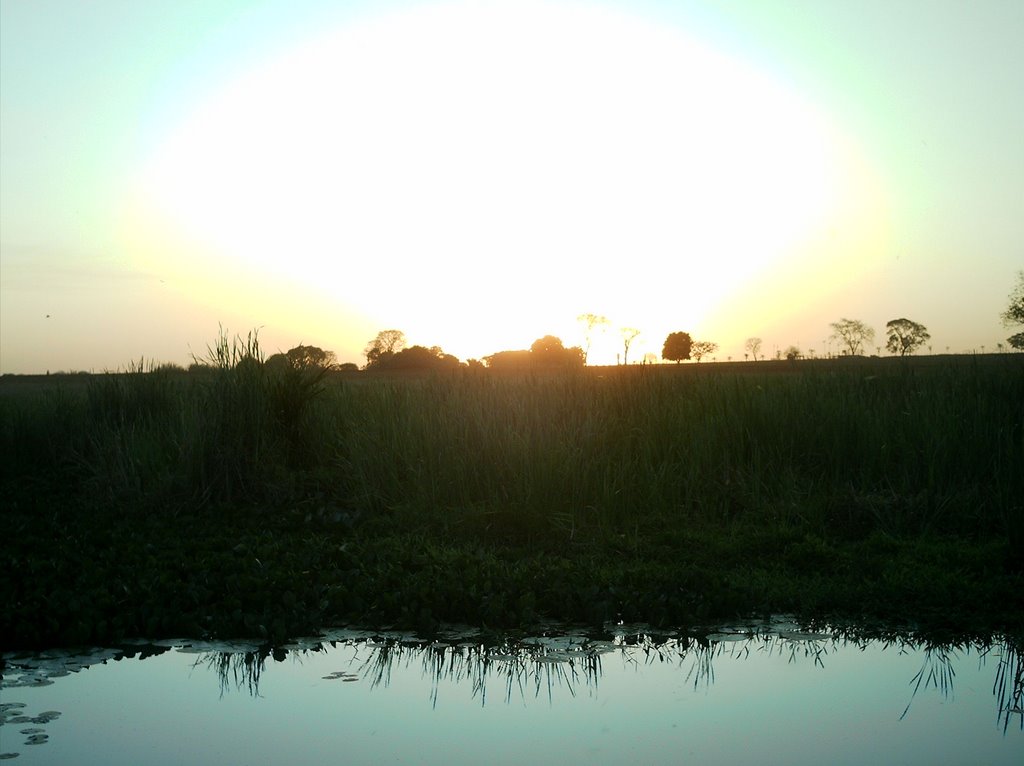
pixel 629 334
pixel 701 348
pixel 852 333
pixel 386 344
pixel 418 358
pixel 509 361
pixel 677 347
pixel 277 363
pixel 905 336
pixel 302 357
pixel 591 321
pixel 753 346
pixel 1014 314
pixel 548 345
pixel 549 351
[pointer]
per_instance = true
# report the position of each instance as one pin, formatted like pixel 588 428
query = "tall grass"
pixel 234 431
pixel 848 452
pixel 842 452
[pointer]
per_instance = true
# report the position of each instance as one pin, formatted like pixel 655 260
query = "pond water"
pixel 768 693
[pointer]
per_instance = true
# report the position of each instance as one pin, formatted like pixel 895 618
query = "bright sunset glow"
pixel 480 175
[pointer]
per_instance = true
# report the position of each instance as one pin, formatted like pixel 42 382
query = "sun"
pixel 480 174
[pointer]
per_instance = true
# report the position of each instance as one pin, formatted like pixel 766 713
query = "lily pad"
pixel 796 635
pixel 342 675
pixel 727 637
pixel 549 658
pixel 500 657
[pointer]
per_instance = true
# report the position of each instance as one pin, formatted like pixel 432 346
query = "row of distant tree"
pixel 903 336
pixel 389 351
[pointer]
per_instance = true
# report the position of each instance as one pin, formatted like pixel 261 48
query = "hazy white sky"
pixel 478 174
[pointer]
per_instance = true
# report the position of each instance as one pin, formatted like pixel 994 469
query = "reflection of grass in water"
pixel 242 670
pixel 936 671
pixel 540 667
pixel 521 667
pixel 1009 683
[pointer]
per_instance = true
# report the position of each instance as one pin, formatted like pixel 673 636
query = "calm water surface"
pixel 763 694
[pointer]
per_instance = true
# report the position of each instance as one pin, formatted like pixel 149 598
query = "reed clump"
pixel 231 430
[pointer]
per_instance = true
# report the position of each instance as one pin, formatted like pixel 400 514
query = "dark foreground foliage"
pixel 266 503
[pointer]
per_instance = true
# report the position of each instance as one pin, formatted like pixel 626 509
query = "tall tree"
pixel 591 322
pixel 853 334
pixel 905 336
pixel 677 347
pixel 753 346
pixel 701 348
pixel 1014 314
pixel 386 344
pixel 629 334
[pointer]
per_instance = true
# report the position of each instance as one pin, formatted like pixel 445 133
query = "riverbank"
pixel 244 505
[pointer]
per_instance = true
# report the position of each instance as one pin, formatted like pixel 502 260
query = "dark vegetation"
pixel 677 347
pixel 268 500
pixel 1013 316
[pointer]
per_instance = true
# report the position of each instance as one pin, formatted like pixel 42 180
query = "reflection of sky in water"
pixel 765 700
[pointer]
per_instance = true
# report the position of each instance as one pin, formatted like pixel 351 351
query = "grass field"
pixel 242 502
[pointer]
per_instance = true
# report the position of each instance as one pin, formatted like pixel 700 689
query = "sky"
pixel 480 174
